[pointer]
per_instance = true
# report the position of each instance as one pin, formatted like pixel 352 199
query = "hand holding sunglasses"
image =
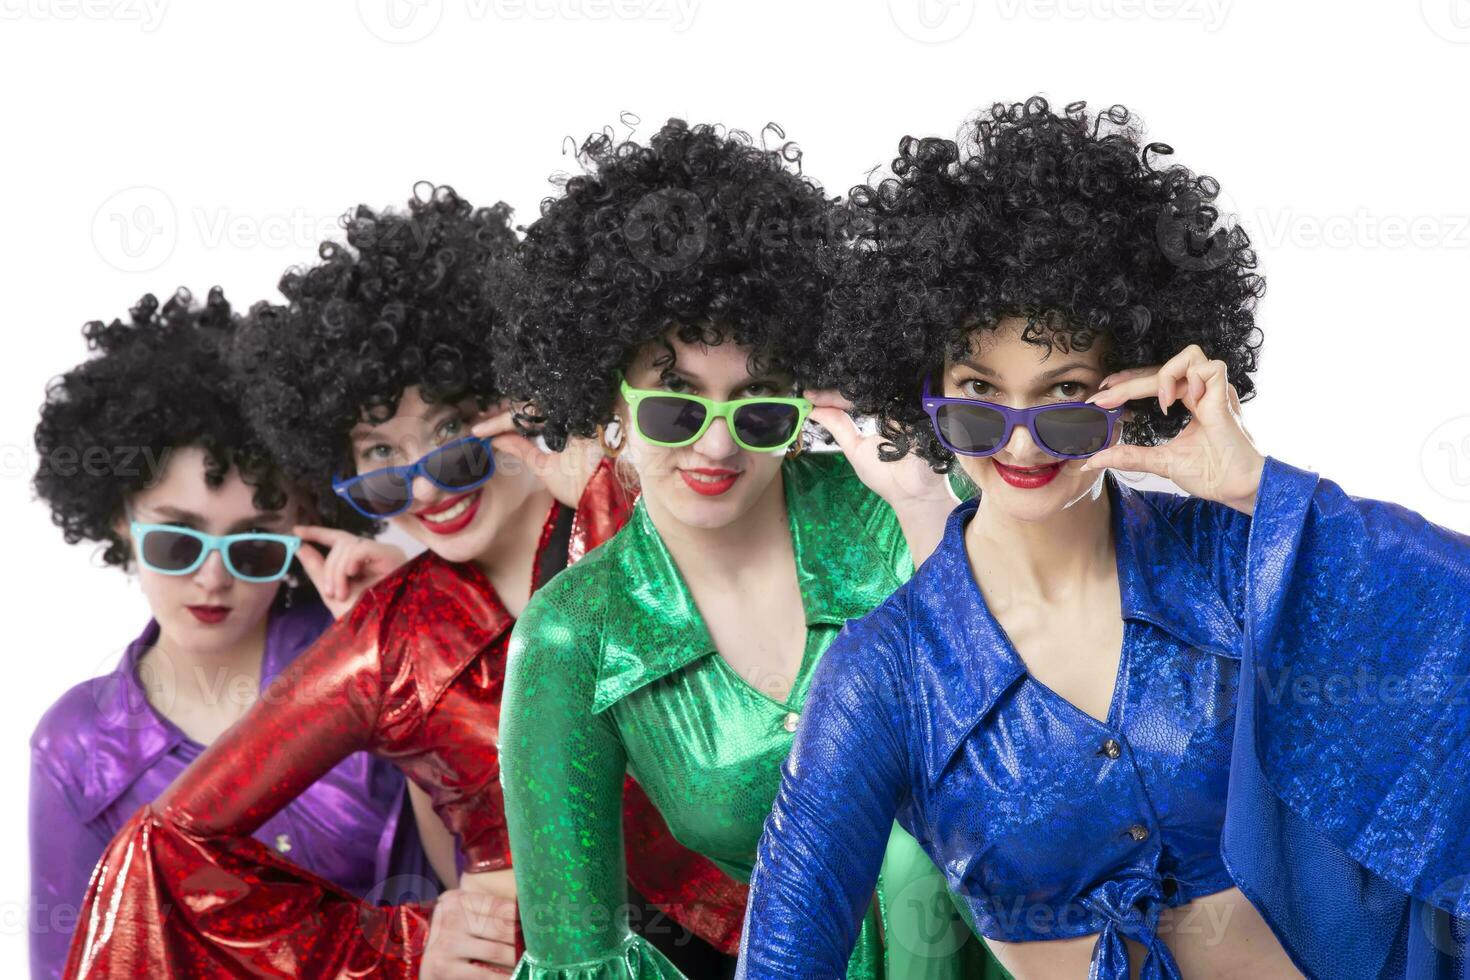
pixel 388 491
pixel 253 556
pixel 672 419
pixel 1213 457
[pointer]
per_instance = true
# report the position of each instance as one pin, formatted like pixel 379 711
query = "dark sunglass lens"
pixel 258 559
pixel 379 492
pixel 1073 431
pixel 459 466
pixel 170 551
pixel 970 428
pixel 664 419
pixel 766 425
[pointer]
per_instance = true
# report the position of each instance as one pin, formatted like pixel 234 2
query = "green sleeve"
pixel 853 509
pixel 922 931
pixel 960 483
pixel 562 771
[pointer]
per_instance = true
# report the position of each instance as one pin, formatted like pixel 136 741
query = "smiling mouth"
pixel 450 512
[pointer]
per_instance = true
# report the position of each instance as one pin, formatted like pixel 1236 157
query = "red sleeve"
pixel 184 891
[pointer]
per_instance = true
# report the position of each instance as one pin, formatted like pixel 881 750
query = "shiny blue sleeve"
pixel 842 783
pixel 1349 818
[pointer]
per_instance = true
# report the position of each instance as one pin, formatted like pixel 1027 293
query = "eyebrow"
pixel 1055 372
pixel 189 517
pixel 770 378
pixel 434 414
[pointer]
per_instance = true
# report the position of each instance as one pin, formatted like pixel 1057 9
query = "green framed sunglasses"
pixel 672 419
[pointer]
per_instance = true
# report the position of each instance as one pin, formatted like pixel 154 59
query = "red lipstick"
pixel 719 481
pixel 209 614
pixel 1027 478
pixel 455 524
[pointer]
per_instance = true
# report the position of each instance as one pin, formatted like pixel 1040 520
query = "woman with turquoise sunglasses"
pixel 143 451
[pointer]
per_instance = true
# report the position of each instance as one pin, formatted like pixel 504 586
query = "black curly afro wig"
pixel 405 302
pixel 157 382
pixel 1067 220
pixel 703 229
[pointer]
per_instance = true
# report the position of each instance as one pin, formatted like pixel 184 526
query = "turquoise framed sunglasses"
pixel 253 556
pixel 672 419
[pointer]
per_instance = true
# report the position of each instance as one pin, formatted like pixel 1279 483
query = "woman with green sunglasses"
pixel 681 650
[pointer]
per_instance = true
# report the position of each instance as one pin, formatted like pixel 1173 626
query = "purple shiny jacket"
pixel 102 751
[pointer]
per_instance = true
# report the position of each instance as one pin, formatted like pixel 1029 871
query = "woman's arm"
pixel 183 890
pixel 842 783
pixel 563 770
pixel 921 499
pixel 436 839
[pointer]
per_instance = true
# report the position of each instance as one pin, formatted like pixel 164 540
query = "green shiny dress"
pixel 612 670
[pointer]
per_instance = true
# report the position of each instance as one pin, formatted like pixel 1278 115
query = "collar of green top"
pixel 652 626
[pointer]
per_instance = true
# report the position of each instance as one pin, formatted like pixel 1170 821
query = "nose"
pixel 717 442
pixel 424 492
pixel 212 575
pixel 1022 450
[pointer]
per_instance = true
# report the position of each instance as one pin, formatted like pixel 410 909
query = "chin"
pixel 461 546
pixel 707 512
pixel 206 640
pixel 1039 503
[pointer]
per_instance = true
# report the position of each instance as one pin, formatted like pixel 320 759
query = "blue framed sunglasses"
pixel 387 492
pixel 1067 430
pixel 253 556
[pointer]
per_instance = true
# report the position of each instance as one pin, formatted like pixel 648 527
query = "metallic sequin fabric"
pixel 1050 824
pixel 612 670
pixel 413 674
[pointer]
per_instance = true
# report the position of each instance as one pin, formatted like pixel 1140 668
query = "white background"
pixel 153 143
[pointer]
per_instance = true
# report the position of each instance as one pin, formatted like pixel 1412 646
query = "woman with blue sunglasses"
pixel 365 385
pixel 1144 734
pixel 144 451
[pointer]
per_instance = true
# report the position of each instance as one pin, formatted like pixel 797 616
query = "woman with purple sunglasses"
pixel 1076 704
pixel 144 451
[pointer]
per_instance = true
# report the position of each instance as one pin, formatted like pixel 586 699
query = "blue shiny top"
pixel 1049 824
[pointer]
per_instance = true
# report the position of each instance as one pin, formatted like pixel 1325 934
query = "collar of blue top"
pixel 652 626
pixel 1160 578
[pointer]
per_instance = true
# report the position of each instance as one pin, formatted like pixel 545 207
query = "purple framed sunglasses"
pixel 1067 430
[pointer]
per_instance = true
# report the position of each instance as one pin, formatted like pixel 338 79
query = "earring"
pixel 794 450
pixel 611 452
pixel 292 584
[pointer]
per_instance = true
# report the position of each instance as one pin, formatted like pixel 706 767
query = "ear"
pixel 120 527
pixel 307 509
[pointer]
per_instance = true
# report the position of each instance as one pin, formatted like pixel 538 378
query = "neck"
pixel 1043 561
pixel 225 681
pixel 511 554
pixel 734 552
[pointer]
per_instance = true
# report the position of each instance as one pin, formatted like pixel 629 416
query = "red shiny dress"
pixel 413 673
